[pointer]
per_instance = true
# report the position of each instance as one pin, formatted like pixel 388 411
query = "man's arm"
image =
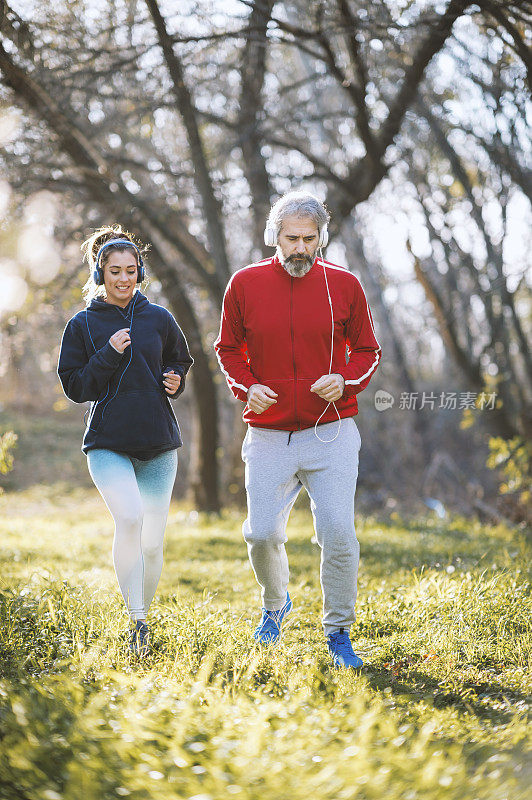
pixel 363 349
pixel 230 346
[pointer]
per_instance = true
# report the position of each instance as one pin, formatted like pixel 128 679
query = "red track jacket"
pixel 276 330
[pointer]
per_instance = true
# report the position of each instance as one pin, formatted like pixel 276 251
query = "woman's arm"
pixel 176 355
pixel 82 377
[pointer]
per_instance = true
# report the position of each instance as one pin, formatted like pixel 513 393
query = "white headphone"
pixel 270 236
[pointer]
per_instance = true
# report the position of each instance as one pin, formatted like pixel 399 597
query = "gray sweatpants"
pixel 275 472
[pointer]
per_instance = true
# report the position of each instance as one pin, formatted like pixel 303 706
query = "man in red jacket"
pixel 297 345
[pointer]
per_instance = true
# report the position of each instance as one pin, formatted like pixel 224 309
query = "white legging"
pixel 137 493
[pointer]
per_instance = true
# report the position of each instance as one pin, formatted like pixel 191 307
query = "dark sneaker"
pixel 139 640
pixel 341 649
pixel 269 629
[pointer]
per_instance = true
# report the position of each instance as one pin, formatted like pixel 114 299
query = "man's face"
pixel 297 244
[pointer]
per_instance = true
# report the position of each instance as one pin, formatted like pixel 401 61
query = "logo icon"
pixel 383 400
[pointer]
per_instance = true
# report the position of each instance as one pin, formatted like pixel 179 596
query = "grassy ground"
pixel 440 709
pixel 48 449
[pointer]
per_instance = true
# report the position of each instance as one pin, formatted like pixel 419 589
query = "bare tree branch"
pixel 358 89
pixel 524 52
pixel 494 258
pixel 187 111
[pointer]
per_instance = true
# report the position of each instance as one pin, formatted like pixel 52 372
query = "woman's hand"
pixel 172 382
pixel 120 340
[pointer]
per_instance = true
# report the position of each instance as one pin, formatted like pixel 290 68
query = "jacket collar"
pixel 137 302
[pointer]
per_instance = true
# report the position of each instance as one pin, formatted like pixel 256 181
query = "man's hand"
pixel 171 382
pixel 329 387
pixel 260 397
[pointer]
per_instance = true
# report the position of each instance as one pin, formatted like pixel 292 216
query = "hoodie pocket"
pixel 137 419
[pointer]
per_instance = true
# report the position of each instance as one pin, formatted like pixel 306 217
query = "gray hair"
pixel 298 204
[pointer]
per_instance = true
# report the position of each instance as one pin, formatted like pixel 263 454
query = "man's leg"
pixel 271 488
pixel 330 475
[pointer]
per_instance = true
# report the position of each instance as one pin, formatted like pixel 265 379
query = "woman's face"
pixel 120 277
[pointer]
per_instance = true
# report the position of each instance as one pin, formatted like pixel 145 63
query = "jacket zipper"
pixel 293 349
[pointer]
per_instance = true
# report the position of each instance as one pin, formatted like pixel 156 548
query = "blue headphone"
pixel 97 275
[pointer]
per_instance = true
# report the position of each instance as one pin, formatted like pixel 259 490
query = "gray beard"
pixel 298 267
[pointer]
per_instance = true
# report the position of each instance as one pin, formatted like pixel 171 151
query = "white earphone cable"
pixel 328 441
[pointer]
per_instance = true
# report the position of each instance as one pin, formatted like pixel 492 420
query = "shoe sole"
pixel 336 665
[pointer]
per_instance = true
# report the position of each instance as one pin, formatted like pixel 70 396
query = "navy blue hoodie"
pixel 130 412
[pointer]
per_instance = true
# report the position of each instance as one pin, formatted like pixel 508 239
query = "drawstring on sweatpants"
pixel 289 437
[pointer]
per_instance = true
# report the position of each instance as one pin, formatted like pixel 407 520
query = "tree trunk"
pixel 252 79
pixel 206 483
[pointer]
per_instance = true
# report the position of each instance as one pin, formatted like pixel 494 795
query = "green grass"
pixel 440 710
pixel 48 448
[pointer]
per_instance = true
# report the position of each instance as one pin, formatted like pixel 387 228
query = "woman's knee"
pixel 152 551
pixel 129 521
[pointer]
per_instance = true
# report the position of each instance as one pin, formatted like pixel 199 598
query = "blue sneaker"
pixel 269 628
pixel 341 649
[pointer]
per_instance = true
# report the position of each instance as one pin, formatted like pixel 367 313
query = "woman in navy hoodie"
pixel 127 356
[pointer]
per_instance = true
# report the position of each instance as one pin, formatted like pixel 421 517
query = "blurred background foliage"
pixel 408 118
pixel 7 443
